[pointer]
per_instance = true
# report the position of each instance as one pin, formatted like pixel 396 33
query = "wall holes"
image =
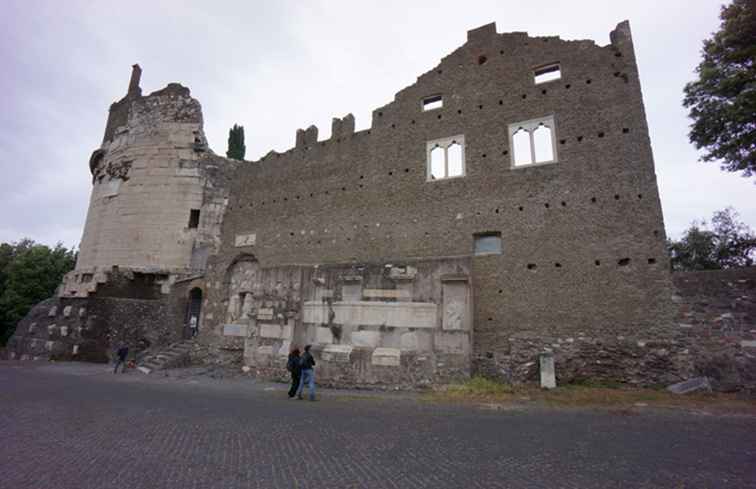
pixel 490 319
pixel 546 205
pixel 482 59
pixel 593 200
pixel 597 263
pixel 362 177
pixel 505 152
pixel 501 102
pixel 439 116
pixel 312 194
pixel 380 114
pixel 524 95
pixel 291 233
pixel 616 197
pixel 543 91
pixel 616 74
pixel 651 261
pixel 617 54
pixel 521 208
pixel 393 126
pixel 496 210
pixel 440 72
pixel 640 196
pixel 623 262
pixel 391 173
pixel 412 121
pixel 483 155
pixel 557 265
pixel 459 111
pixel 501 291
pixel 625 130
pixel 489 355
pixel 480 107
pixel 343 189
pixel 580 139
pixel 568 86
pixel 588 81
pixel 531 266
pixel 562 141
pixel 406 170
pixel 601 134
pixel 564 204
pixel 656 233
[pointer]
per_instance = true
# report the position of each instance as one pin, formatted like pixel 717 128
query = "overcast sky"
pixel 276 66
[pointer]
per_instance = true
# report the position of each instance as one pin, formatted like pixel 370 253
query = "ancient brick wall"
pixel 582 238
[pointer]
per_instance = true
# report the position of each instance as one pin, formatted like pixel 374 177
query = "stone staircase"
pixel 173 356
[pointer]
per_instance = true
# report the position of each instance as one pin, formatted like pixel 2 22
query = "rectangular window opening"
pixel 194 218
pixel 547 73
pixel 487 243
pixel 434 102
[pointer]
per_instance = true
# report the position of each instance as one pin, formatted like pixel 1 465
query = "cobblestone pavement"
pixel 77 426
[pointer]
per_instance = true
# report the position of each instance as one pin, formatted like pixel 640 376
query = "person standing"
pixel 122 353
pixel 295 368
pixel 308 374
pixel 193 325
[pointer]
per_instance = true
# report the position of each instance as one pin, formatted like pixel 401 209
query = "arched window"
pixel 533 142
pixel 446 158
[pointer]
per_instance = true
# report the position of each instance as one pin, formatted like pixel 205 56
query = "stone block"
pixel 82 311
pixel 398 294
pixel 408 341
pixel 53 311
pixel 64 330
pixel 241 240
pixel 748 344
pixel 367 313
pixel 548 374
pixel 283 350
pixel 323 336
pixel 402 273
pixel 264 351
pixel 287 331
pixel 270 330
pixel 451 342
pixel 32 327
pixel 265 314
pixel 67 311
pixel 51 329
pixel 351 292
pixel 386 357
pixel 75 350
pixel 366 338
pixel 690 385
pixel 235 330
pixel 336 353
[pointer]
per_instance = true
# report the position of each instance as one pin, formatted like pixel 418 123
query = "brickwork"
pixel 582 238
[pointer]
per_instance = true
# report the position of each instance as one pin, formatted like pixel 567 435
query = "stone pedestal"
pixel 548 375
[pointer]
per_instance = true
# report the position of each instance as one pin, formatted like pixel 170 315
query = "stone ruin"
pixel 502 207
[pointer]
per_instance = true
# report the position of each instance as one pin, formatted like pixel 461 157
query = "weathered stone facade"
pixel 503 206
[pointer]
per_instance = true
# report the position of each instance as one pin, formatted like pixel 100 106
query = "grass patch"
pixel 587 394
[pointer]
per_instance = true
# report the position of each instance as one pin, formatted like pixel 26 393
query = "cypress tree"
pixel 236 147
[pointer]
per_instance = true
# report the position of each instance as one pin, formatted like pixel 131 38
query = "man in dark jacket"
pixel 295 368
pixel 308 374
pixel 122 353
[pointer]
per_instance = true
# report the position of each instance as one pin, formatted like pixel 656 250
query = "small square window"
pixel 194 218
pixel 547 73
pixel 488 243
pixel 434 102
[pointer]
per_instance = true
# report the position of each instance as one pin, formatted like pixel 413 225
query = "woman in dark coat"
pixel 295 368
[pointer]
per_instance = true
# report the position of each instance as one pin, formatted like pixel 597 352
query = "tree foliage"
pixel 728 243
pixel 722 101
pixel 236 147
pixel 29 273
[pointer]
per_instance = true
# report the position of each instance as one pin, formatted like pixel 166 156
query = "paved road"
pixel 76 426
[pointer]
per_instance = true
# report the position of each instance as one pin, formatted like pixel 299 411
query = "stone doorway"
pixel 193 312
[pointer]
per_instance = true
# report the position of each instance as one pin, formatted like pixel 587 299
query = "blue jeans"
pixel 308 377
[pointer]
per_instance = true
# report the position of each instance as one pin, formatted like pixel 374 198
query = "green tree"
pixel 722 101
pixel 728 244
pixel 236 147
pixel 29 273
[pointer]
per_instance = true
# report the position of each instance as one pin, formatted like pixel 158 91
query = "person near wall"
pixel 307 363
pixel 193 325
pixel 121 355
pixel 295 368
